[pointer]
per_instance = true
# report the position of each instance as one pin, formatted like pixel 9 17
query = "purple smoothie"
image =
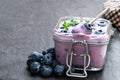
pixel 97 37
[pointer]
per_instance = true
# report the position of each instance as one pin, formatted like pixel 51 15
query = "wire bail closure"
pixel 69 63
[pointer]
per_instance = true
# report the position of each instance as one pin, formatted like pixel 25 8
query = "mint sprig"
pixel 71 23
pixel 87 21
pixel 65 25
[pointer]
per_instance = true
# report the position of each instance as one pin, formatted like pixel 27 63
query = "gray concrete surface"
pixel 27 25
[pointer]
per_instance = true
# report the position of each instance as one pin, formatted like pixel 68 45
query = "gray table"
pixel 27 25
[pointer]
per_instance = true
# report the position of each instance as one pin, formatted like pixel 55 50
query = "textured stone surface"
pixel 27 25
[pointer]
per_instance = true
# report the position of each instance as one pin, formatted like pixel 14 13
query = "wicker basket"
pixel 114 12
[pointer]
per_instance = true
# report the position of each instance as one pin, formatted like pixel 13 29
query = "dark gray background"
pixel 27 25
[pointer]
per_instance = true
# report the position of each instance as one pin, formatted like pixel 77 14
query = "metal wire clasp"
pixel 69 63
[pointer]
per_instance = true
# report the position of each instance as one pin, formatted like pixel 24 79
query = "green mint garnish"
pixel 71 20
pixel 87 21
pixel 65 25
pixel 71 23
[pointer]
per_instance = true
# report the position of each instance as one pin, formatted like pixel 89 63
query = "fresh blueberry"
pixel 50 54
pixel 44 52
pixel 29 61
pixel 72 69
pixel 88 26
pixel 61 27
pixel 102 23
pixel 46 71
pixel 59 70
pixel 48 59
pixel 99 32
pixel 55 63
pixel 35 67
pixel 36 56
pixel 64 31
pixel 51 51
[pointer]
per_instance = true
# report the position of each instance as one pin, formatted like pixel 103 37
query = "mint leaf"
pixel 69 24
pixel 87 21
pixel 65 25
pixel 71 20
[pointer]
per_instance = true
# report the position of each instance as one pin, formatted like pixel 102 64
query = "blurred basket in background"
pixel 114 12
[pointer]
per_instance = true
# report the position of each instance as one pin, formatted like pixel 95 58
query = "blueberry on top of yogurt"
pixel 99 32
pixel 102 23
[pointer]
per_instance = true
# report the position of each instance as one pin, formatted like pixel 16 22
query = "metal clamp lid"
pixel 69 64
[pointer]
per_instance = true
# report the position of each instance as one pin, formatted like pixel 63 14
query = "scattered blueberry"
pixel 66 68
pixel 36 56
pixel 55 63
pixel 51 54
pixel 35 67
pixel 45 64
pixel 44 52
pixel 29 61
pixel 48 59
pixel 51 50
pixel 46 71
pixel 59 70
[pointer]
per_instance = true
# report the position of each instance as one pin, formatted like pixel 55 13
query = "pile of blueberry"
pixel 45 64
